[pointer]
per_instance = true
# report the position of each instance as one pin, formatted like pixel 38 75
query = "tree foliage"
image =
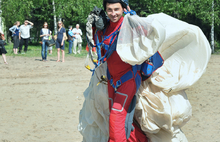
pixel 198 12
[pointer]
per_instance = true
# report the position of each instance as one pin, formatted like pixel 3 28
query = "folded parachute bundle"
pixel 162 106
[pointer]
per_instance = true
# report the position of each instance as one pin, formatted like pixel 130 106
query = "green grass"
pixel 34 50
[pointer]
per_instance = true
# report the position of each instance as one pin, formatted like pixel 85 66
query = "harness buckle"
pixel 118 83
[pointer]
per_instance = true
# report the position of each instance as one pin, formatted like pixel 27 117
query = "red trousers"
pixel 119 103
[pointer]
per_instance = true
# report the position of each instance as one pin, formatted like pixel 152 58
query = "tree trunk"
pixel 55 19
pixel 0 17
pixel 212 30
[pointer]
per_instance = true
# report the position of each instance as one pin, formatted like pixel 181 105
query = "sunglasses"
pixel 59 23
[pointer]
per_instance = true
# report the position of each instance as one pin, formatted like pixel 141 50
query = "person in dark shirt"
pixel 60 42
pixel 2 48
pixel 15 34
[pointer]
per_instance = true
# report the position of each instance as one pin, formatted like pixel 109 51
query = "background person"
pixel 60 42
pixel 2 47
pixel 71 38
pixel 77 31
pixel 15 34
pixel 24 35
pixel 44 34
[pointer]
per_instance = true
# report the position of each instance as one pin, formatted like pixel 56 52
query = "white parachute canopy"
pixel 162 106
pixel 183 46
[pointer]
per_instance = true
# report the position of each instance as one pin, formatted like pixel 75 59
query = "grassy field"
pixel 34 50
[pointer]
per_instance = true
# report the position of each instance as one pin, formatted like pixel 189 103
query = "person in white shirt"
pixel 44 34
pixel 78 33
pixel 24 35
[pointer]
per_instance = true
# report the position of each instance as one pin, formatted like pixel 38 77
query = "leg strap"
pixel 129 118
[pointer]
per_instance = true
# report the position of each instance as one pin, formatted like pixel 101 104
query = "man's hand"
pixel 128 9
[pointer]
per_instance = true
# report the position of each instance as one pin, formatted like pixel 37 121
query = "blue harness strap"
pixel 108 48
pixel 152 64
pixel 127 76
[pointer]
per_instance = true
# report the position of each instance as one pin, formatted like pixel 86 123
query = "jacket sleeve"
pixel 12 29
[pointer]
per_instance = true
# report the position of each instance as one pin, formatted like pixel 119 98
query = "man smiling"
pixel 123 79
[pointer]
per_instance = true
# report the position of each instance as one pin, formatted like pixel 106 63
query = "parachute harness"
pixel 99 44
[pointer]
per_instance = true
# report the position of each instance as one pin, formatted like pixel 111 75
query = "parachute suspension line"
pixel 101 59
pixel 98 45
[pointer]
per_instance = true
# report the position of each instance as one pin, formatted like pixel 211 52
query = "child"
pixel 2 47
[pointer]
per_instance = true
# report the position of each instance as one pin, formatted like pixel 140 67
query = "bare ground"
pixel 40 101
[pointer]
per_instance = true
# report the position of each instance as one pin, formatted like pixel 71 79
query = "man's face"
pixel 77 26
pixel 25 23
pixel 114 11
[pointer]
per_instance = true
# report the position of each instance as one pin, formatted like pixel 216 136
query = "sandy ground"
pixel 40 101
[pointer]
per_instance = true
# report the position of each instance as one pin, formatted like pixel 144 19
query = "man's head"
pixel 124 3
pixel 115 8
pixel 77 26
pixel 70 27
pixel 26 22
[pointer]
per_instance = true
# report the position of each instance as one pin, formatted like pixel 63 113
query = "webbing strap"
pixel 98 45
pixel 132 12
pixel 127 76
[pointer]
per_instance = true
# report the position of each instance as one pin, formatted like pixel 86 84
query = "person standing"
pixel 77 31
pixel 2 47
pixel 71 38
pixel 15 34
pixel 123 79
pixel 44 34
pixel 24 35
pixel 60 42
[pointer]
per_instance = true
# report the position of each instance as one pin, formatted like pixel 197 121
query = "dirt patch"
pixel 40 101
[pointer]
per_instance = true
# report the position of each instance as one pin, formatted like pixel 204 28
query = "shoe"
pixel 23 53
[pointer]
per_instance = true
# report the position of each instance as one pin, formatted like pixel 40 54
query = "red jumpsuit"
pixel 120 100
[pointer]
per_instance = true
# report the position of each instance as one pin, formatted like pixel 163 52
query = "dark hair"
pixel 44 24
pixel 124 3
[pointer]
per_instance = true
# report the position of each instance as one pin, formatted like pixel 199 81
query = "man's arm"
pixel 32 24
pixel 19 35
pixel 80 32
pixel 71 33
